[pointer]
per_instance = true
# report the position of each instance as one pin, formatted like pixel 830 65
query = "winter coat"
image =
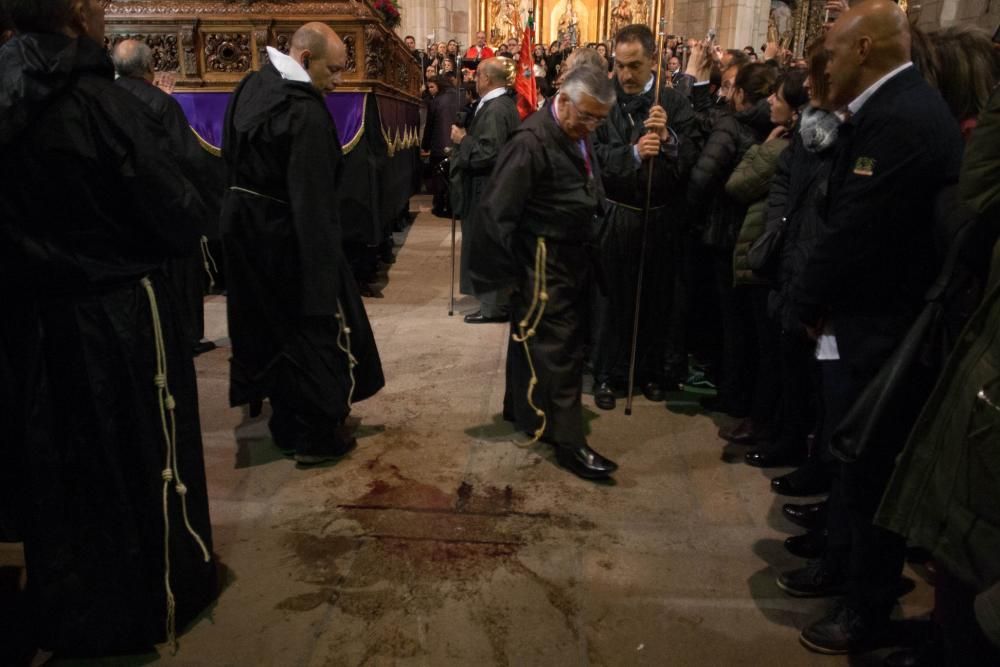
pixel 716 216
pixel 749 184
pixel 945 493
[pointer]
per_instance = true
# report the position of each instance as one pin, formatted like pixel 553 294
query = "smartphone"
pixel 710 37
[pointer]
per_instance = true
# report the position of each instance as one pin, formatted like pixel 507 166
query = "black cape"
pixel 285 266
pixel 189 276
pixel 81 161
pixel 471 164
pixel 541 188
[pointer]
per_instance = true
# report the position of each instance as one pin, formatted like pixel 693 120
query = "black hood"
pixel 35 68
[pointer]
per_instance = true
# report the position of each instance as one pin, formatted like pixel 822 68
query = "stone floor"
pixel 443 540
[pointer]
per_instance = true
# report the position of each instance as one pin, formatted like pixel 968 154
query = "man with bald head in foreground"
pixel 862 288
pixel 300 334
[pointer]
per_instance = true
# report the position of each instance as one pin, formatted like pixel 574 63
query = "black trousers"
pixel 799 383
pixel 736 377
pixel 766 374
pixel 556 349
pixel 871 556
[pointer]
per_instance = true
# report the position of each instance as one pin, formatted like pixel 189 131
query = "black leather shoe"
pixel 313 459
pixel 809 480
pixel 653 392
pixel 766 458
pixel 841 632
pixel 815 580
pixel 604 396
pixel 478 318
pixel 810 516
pixel 808 545
pixel 584 461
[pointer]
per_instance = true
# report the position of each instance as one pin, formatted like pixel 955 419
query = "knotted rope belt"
pixel 528 327
pixel 171 470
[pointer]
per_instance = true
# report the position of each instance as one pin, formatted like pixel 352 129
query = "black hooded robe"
pixel 187 276
pixel 92 203
pixel 542 188
pixel 287 276
pixel 620 242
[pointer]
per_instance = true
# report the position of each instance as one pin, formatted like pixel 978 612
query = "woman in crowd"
pixel 731 137
pixel 441 112
pixel 749 184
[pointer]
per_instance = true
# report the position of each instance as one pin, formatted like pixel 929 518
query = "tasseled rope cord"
pixel 528 327
pixel 171 470
pixel 344 343
pixel 211 268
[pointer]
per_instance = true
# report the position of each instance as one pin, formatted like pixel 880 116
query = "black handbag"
pixel 766 248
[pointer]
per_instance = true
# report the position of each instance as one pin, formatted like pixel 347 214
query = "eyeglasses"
pixel 588 119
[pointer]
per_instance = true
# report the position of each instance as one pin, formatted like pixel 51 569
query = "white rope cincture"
pixel 171 470
pixel 211 268
pixel 344 343
pixel 528 327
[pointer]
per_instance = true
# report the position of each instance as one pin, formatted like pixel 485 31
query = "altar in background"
pixel 577 22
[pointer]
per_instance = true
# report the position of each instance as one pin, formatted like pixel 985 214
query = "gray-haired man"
pixel 538 219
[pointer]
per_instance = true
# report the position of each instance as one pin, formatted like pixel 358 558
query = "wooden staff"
pixel 661 35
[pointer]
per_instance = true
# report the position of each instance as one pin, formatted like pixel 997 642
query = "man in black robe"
pixel 538 219
pixel 133 62
pixel 477 146
pixel 299 330
pixel 638 137
pixel 112 507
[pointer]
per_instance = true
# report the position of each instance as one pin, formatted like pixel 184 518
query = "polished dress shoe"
pixel 810 480
pixel 808 545
pixel 810 516
pixel 604 396
pixel 584 461
pixel 815 580
pixel 653 392
pixel 841 632
pixel 929 654
pixel 767 458
pixel 478 318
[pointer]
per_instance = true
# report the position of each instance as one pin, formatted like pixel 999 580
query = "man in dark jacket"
pixel 104 383
pixel 476 149
pixel 538 217
pixel 133 62
pixel 862 287
pixel 300 333
pixel 637 137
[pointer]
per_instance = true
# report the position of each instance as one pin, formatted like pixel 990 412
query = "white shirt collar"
pixel 649 84
pixel 855 106
pixel 492 95
pixel 287 66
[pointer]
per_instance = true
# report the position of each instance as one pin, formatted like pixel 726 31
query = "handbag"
pixel 766 248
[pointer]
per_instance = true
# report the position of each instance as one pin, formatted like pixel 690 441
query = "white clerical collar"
pixel 859 101
pixel 492 95
pixel 287 66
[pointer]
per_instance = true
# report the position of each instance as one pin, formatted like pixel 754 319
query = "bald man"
pixel 478 145
pixel 862 288
pixel 300 334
